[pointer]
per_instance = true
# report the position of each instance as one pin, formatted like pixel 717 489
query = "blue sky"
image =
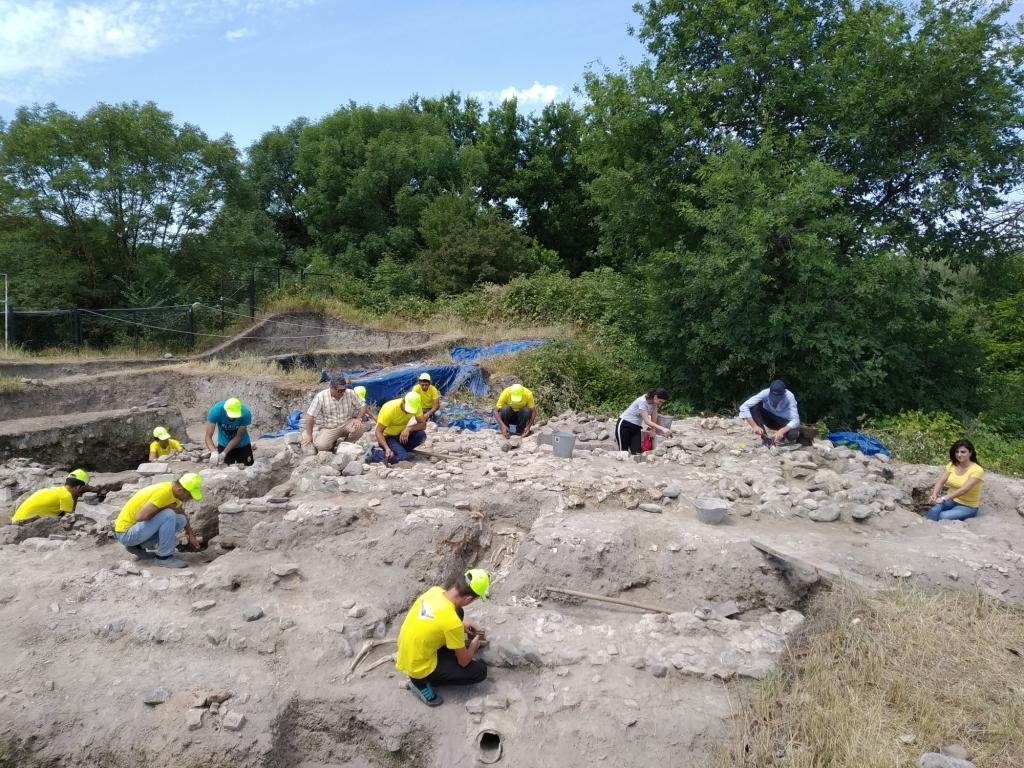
pixel 244 66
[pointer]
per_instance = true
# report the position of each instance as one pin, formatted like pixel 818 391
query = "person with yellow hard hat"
pixel 400 429
pixel 227 433
pixel 371 410
pixel 164 446
pixel 515 406
pixel 153 517
pixel 56 501
pixel 432 643
pixel 430 396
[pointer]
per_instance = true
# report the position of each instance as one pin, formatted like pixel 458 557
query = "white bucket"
pixel 562 444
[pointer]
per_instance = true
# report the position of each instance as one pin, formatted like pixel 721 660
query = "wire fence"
pixel 173 328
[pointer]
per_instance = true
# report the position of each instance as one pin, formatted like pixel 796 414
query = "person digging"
pixel 432 644
pixel 56 501
pixel 154 516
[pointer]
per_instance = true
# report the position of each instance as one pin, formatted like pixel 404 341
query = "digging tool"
pixel 615 600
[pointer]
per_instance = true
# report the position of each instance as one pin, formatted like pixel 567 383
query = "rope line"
pixel 196 333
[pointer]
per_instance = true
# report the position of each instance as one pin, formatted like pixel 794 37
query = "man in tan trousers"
pixel 337 413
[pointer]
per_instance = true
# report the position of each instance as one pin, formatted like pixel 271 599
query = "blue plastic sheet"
pixel 292 425
pixel 473 354
pixel 395 383
pixel 866 444
pixel 466 417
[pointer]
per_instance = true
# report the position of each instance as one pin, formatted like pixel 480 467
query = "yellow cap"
pixel 516 393
pixel 479 581
pixel 192 483
pixel 361 392
pixel 78 474
pixel 233 408
pixel 161 433
pixel 413 403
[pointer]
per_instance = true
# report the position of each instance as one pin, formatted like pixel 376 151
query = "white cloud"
pixel 44 41
pixel 237 34
pixel 536 94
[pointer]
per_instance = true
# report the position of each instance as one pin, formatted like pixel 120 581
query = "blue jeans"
pixel 161 531
pixel 950 510
pixel 417 438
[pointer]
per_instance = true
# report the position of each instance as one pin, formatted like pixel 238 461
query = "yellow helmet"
pixel 413 403
pixel 479 581
pixel 192 483
pixel 361 392
pixel 80 475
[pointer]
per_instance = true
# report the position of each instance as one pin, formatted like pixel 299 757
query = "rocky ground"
pixel 273 648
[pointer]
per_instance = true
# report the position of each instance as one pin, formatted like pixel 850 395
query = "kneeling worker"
pixel 56 501
pixel 515 406
pixel 164 446
pixel 773 408
pixel 432 646
pixel 153 517
pixel 227 433
pixel 337 413
pixel 400 429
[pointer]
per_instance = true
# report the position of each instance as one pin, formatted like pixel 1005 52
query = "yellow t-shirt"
pixel 172 446
pixel 430 625
pixel 46 502
pixel 394 418
pixel 160 494
pixel 956 482
pixel 428 396
pixel 505 398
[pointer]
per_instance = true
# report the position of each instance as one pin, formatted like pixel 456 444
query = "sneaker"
pixel 140 553
pixel 766 441
pixel 169 562
pixel 427 694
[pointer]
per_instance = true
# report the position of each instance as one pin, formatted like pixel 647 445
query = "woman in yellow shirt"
pixel 164 446
pixel 962 481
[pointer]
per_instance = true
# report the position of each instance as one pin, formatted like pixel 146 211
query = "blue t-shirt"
pixel 227 427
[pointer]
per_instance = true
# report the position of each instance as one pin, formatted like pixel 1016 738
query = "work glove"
pixel 215 458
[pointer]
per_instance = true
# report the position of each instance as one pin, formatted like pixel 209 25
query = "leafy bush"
pixel 919 437
pixel 601 371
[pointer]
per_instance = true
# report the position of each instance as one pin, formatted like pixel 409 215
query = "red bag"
pixel 647 443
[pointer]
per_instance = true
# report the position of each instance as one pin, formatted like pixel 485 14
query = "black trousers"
pixel 627 436
pixel 520 418
pixel 768 419
pixel 242 454
pixel 448 671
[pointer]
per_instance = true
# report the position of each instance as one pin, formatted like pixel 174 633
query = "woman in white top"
pixel 642 411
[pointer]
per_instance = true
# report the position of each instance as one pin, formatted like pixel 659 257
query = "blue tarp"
pixel 294 420
pixel 866 444
pixel 395 382
pixel 473 354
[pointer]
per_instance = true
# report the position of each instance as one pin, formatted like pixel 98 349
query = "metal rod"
pixel 615 600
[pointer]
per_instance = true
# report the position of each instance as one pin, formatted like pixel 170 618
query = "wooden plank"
pixel 614 600
pixel 826 571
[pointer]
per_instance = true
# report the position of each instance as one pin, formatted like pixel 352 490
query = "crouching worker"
pixel 164 446
pixel 432 647
pixel 56 501
pixel 154 516
pixel 400 429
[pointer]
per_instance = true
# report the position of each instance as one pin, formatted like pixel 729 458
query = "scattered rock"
pixel 955 750
pixel 650 506
pixel 252 613
pixel 203 605
pixel 937 760
pixel 826 513
pixel 284 569
pixel 194 718
pixel 233 721
pixel 157 696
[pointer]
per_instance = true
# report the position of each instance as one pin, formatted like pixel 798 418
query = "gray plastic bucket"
pixel 562 444
pixel 665 421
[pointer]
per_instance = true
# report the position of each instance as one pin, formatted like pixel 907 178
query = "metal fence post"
pixel 252 295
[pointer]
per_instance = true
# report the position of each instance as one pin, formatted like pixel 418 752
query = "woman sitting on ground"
pixel 642 411
pixel 962 480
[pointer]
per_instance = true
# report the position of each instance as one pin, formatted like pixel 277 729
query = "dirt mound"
pixel 295 613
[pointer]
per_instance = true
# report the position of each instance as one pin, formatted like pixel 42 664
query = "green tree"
pixel 793 165
pixel 122 181
pixel 274 180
